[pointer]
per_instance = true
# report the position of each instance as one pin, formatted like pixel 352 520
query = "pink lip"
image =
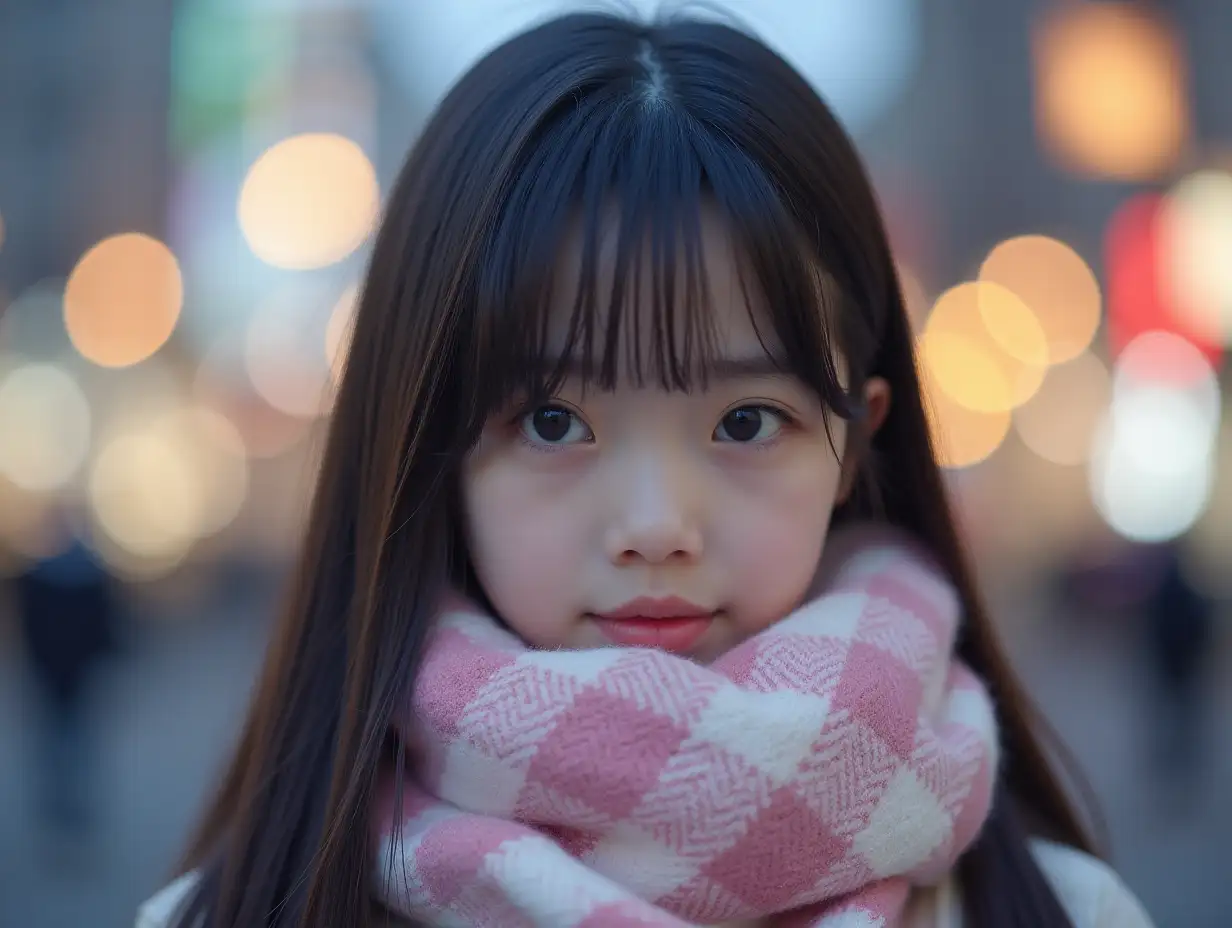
pixel 650 607
pixel 669 624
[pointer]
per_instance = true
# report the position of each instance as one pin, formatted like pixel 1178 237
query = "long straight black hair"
pixel 581 118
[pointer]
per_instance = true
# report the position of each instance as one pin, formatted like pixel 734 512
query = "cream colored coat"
pixel 1091 892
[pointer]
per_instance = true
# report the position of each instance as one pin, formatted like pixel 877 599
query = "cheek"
pixel 773 539
pixel 521 537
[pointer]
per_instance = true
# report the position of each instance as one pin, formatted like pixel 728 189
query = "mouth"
pixel 669 624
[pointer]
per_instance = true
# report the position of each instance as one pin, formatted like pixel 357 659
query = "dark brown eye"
pixel 748 424
pixel 554 425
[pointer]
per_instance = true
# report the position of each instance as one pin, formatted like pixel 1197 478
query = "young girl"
pixel 564 648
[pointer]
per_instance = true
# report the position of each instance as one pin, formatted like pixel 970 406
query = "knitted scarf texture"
pixel 811 775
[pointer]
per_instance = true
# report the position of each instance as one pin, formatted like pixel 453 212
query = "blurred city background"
pixel 187 190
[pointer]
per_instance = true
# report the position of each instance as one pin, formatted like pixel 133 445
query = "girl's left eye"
pixel 554 425
pixel 749 424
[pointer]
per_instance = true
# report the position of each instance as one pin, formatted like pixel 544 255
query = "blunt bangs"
pixel 608 201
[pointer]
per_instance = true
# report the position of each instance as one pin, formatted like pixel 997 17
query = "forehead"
pixel 644 292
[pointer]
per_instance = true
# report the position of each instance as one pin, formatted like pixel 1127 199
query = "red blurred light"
pixel 1137 301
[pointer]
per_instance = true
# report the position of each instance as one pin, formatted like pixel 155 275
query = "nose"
pixel 653 505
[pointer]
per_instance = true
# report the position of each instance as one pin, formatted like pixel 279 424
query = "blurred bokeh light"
pixel 286 352
pixel 1059 423
pixel 1110 89
pixel 984 347
pixel 147 497
pixel 45 424
pixel 1055 284
pixel 1153 464
pixel 123 299
pixel 221 382
pixel 309 201
pixel 962 436
pixel 1140 298
pixel 1197 244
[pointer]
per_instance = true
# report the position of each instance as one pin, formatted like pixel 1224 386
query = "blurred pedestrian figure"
pixel 1179 632
pixel 68 614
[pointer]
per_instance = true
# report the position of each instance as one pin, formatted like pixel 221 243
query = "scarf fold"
pixel 813 773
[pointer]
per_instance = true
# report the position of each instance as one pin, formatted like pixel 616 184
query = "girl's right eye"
pixel 554 425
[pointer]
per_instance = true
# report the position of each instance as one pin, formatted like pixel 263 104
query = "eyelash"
pixel 787 419
pixel 548 448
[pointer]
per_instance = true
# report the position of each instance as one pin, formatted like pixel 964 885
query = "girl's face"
pixel 688 521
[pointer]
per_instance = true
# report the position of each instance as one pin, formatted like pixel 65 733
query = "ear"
pixel 860 438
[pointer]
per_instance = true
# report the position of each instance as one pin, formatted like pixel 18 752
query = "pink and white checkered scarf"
pixel 815 772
